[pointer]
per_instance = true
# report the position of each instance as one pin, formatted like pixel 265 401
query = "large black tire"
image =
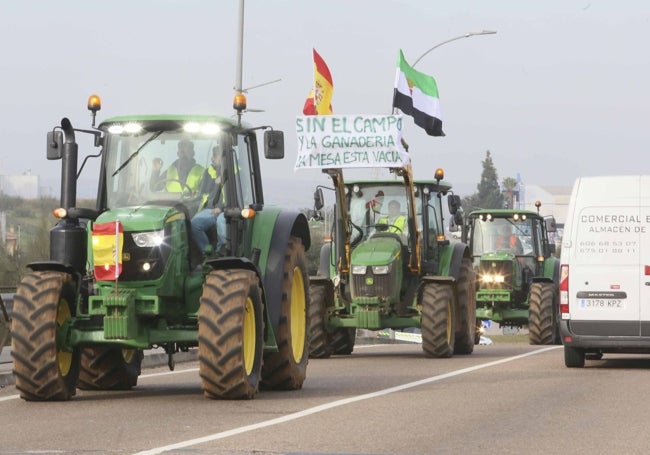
pixel 286 369
pixel 42 303
pixel 104 368
pixel 466 320
pixel 540 313
pixel 319 342
pixel 342 340
pixel 574 357
pixel 231 335
pixel 438 319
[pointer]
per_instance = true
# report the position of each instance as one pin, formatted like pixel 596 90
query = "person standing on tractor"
pixel 212 204
pixel 182 175
pixel 395 220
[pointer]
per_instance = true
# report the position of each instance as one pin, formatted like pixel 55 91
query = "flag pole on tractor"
pixel 416 94
pixel 319 101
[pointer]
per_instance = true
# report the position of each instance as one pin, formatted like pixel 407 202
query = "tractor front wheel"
pixel 466 334
pixel 438 319
pixel 319 345
pixel 540 313
pixel 286 369
pixel 231 335
pixel 44 370
pixel 104 368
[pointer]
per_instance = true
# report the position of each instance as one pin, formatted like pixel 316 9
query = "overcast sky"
pixel 560 91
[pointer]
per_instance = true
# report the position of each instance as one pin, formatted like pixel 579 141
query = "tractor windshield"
pixel 153 166
pixel 377 207
pixel 504 235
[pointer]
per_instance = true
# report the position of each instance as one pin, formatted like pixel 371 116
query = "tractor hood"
pixel 377 250
pixel 142 218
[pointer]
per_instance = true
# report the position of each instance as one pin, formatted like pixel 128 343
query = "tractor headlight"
pixel 496 278
pixel 380 269
pixel 359 270
pixel 148 239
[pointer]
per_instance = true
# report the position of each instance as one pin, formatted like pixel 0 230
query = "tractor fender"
pixel 451 259
pixel 288 224
pixel 325 260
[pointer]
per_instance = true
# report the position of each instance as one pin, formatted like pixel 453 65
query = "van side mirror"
pixel 273 144
pixel 453 202
pixel 54 145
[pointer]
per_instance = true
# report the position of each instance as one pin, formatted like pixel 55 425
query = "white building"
pixel 25 186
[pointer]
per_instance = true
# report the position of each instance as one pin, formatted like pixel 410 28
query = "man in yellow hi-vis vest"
pixel 395 221
pixel 182 175
pixel 212 206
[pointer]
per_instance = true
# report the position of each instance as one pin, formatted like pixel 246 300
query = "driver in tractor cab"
pixel 181 175
pixel 396 222
pixel 508 241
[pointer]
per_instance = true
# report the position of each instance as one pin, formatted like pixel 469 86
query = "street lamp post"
pixel 466 35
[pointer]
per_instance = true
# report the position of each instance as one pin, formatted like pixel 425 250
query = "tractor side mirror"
pixel 274 144
pixel 318 199
pixel 54 145
pixel 453 202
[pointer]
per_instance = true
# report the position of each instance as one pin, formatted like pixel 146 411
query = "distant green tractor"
pixel 517 276
pixel 84 318
pixel 390 266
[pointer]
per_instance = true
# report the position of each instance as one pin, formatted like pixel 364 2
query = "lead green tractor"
pixel 83 318
pixel 379 273
pixel 517 283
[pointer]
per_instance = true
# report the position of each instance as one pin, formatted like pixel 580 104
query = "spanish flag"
pixel 108 239
pixel 319 101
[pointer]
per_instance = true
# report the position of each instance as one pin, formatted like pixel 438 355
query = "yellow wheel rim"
pixel 64 358
pixel 298 311
pixel 250 336
pixel 128 355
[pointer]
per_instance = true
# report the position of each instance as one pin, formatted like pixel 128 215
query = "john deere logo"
pixel 370 281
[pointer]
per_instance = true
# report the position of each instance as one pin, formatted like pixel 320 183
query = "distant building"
pixel 25 186
pixel 554 199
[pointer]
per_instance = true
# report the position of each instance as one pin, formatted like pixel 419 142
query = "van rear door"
pixel 644 263
pixel 604 273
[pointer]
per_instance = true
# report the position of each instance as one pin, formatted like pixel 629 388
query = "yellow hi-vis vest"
pixel 204 198
pixel 397 226
pixel 192 181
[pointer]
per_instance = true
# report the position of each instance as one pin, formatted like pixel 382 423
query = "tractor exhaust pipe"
pixel 69 156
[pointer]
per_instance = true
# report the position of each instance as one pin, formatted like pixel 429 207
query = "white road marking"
pixel 335 404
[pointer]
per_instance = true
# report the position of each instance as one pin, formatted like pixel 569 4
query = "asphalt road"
pixel 383 399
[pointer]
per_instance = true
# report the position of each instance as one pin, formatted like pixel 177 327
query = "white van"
pixel 605 269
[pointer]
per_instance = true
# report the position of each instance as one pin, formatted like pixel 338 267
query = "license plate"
pixel 597 304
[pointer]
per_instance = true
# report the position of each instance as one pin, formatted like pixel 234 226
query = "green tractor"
pixel 83 318
pixel 389 266
pixel 517 276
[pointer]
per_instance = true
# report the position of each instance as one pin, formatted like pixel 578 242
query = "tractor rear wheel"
pixel 466 334
pixel 438 319
pixel 286 369
pixel 104 368
pixel 319 343
pixel 231 335
pixel 540 313
pixel 43 302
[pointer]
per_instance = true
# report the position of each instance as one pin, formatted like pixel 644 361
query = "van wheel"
pixel 540 313
pixel 574 357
